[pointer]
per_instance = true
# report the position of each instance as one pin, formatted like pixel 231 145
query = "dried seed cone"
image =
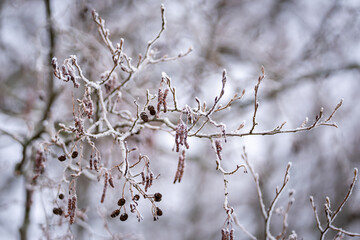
pixel 123 217
pixel 74 154
pixel 62 158
pixel 159 212
pixel 61 196
pixel 121 201
pixel 57 211
pixel 152 110
pixel 144 116
pixel 157 197
pixel 115 213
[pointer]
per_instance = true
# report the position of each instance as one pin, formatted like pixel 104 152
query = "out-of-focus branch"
pixel 217 98
pixel 150 43
pixel 13 136
pixel 285 214
pixel 51 97
pixel 266 212
pixel 270 210
pixel 256 180
pixel 294 82
pixel 331 215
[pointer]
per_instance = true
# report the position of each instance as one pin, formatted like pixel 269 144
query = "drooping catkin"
pixel 105 187
pixel 72 209
pixel 160 101
pixel 164 99
pixel 181 136
pixel 180 168
pixel 111 182
pixel 218 148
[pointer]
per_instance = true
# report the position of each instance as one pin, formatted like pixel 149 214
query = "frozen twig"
pixel 256 103
pixel 270 210
pixel 217 98
pixel 285 214
pixel 150 43
pixel 99 115
pixel 103 31
pixel 267 213
pixel 330 216
pixel 165 58
pixel 278 130
pixel 233 99
pixel 336 108
pixel 256 179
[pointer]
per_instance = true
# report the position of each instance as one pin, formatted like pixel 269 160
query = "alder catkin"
pixel 115 213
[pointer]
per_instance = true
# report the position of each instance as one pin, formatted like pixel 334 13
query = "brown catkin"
pixel 218 148
pixel 160 101
pixel 151 179
pixel 105 187
pixel 143 177
pixel 164 100
pixel 96 165
pixel 147 185
pixel 73 209
pixel 111 182
pixel 181 167
pixel 115 213
pixel 73 202
pixel 223 234
pixel 69 206
pixel 232 234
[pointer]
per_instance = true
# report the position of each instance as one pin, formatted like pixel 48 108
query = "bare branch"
pixel 330 216
pixel 256 103
pixel 150 43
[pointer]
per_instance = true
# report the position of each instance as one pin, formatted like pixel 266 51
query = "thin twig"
pixel 330 216
pixel 150 43
pixel 256 103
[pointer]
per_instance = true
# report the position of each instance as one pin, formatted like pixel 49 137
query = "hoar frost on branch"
pixel 94 118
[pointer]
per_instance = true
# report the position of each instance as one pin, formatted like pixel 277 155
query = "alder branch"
pixel 118 121
pixel 267 213
pixel 330 216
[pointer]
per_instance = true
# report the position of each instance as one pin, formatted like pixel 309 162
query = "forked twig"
pixel 330 216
